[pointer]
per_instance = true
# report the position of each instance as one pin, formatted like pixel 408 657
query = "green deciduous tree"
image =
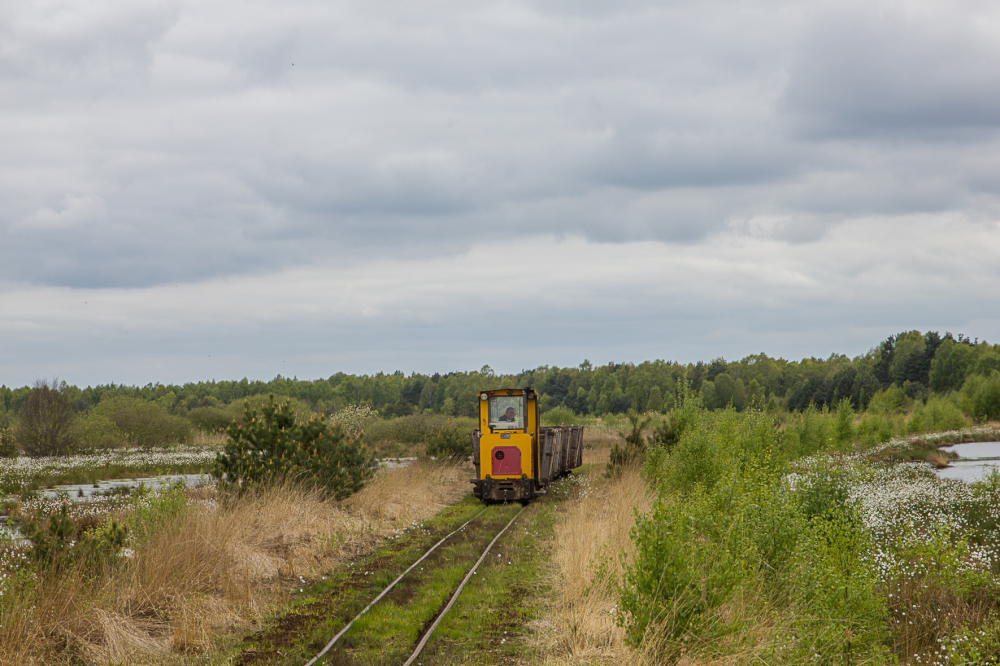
pixel 981 396
pixel 950 366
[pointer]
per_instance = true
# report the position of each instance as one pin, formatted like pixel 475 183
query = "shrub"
pixel 269 446
pixel 666 436
pixel 938 414
pixel 97 431
pixel 302 409
pixel 808 432
pixel 210 419
pixel 413 429
pixel 891 400
pixel 355 419
pixel 450 442
pixel 840 615
pixel 635 444
pixel 668 433
pixel 52 538
pixel 981 396
pixel 823 493
pixel 147 424
pixel 843 424
pixel 46 424
pixel 559 416
pixel 876 428
pixel 55 539
pixel 8 444
pixel 731 540
pixel 673 565
pixel 730 524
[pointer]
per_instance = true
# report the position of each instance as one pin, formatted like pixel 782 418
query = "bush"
pixel 269 447
pixel 559 416
pixel 843 424
pixel 808 432
pixel 981 396
pixel 46 424
pixel 635 444
pixel 210 419
pixel 840 615
pixel 889 401
pixel 8 445
pixel 937 415
pixel 731 541
pixel 147 424
pixel 96 431
pixel 688 412
pixel 729 523
pixel 355 419
pixel 60 537
pixel 301 408
pixel 668 433
pixel 876 428
pixel 413 429
pixel 822 493
pixel 450 442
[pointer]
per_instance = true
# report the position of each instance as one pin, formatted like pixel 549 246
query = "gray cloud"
pixel 188 143
pixel 898 70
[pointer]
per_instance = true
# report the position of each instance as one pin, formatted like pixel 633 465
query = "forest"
pixel 910 367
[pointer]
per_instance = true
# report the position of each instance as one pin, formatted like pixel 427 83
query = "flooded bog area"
pixel 101 488
pixel 975 460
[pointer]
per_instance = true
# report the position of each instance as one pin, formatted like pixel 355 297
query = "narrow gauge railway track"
pixel 426 634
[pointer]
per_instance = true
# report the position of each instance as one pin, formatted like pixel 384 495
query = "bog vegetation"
pixel 808 545
pixel 786 513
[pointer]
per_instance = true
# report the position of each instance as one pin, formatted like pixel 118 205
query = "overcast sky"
pixel 201 189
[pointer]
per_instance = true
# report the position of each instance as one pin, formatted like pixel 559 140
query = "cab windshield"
pixel 507 412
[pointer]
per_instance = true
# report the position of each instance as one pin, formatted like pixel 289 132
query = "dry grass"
pixel 940 459
pixel 922 612
pixel 208 439
pixel 589 537
pixel 211 569
pixel 407 494
pixel 597 445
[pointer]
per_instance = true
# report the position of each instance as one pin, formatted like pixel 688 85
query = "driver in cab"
pixel 510 415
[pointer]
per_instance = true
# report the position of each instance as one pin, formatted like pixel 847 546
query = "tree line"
pixel 913 363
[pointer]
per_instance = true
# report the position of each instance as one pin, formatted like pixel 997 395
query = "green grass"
pixel 388 632
pixel 322 609
pixel 486 625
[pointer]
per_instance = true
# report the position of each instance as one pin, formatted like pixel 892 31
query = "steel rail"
pixel 374 601
pixel 454 596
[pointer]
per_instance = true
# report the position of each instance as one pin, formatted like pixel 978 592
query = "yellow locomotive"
pixel 515 457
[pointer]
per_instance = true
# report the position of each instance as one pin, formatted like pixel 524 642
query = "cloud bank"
pixel 308 187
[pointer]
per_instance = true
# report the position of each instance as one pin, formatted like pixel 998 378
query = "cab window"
pixel 507 412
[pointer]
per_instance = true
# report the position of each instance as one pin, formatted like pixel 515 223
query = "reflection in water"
pixel 974 460
pixel 85 491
